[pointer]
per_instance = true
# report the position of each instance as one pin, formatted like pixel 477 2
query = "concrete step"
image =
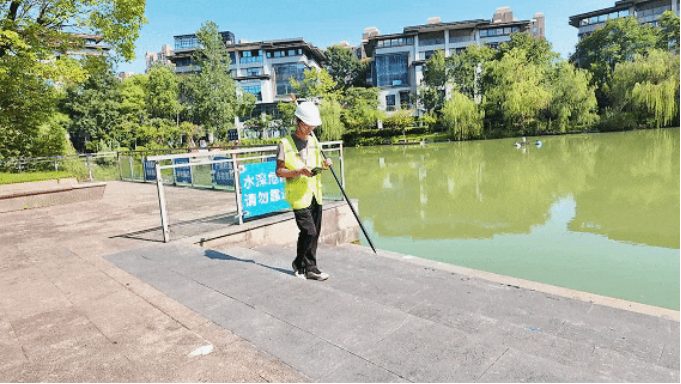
pixel 568 331
pixel 379 318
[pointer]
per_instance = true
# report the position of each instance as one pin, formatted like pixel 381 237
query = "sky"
pixel 327 22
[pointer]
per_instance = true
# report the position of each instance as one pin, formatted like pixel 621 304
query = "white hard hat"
pixel 308 113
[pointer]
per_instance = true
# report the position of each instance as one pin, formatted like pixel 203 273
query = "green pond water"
pixel 596 212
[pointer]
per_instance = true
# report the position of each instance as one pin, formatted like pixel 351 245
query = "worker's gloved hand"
pixel 328 162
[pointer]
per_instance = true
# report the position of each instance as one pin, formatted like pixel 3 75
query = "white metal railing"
pixel 235 157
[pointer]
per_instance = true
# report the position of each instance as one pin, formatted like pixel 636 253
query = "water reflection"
pixel 625 186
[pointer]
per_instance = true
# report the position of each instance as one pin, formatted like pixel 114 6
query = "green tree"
pixel 133 109
pixel 649 87
pixel 466 66
pixel 539 51
pixel 158 133
pixel 431 93
pixel 317 84
pixel 669 33
pixel 399 120
pixel 573 101
pixel 360 108
pixel 161 89
pixel 515 91
pixel 462 117
pixel 37 27
pixel 213 91
pixel 52 140
pixel 94 107
pixel 287 112
pixel 26 102
pixel 332 127
pixel 618 41
pixel 345 68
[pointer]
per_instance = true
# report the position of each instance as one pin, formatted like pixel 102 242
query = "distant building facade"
pixel 260 68
pixel 646 11
pixel 397 59
pixel 158 57
pixel 124 75
pixel 93 46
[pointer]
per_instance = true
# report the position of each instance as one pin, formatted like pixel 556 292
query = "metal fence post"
pixel 120 167
pixel 237 190
pixel 342 166
pixel 89 166
pixel 132 169
pixel 56 165
pixel 161 202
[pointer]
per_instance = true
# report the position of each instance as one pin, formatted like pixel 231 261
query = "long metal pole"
pixel 352 208
pixel 161 202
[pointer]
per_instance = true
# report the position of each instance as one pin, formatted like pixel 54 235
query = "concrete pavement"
pixel 381 318
pixel 68 315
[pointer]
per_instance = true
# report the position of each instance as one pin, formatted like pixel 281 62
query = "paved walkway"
pixel 68 315
pixel 87 293
pixel 386 319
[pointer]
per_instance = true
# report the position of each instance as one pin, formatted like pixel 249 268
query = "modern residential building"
pixel 185 45
pixel 261 68
pixel 158 57
pixel 646 11
pixel 356 50
pixel 124 75
pixel 397 59
pixel 92 46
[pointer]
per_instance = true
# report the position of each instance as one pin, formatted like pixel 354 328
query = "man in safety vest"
pixel 300 161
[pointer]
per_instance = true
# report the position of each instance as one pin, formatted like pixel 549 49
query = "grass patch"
pixel 9 178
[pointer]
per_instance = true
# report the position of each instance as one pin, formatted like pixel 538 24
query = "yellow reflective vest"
pixel 301 189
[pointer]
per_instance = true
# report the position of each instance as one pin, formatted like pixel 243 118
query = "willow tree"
pixel 462 117
pixel 649 87
pixel 319 86
pixel 332 127
pixel 573 101
pixel 617 42
pixel 515 91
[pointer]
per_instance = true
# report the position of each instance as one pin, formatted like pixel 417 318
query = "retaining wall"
pixel 338 227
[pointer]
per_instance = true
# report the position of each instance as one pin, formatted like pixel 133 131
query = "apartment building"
pixel 158 57
pixel 646 11
pixel 261 68
pixel 92 46
pixel 397 59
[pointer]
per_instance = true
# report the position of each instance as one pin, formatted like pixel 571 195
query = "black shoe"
pixel 313 273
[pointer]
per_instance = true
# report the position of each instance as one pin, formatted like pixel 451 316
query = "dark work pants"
pixel 309 221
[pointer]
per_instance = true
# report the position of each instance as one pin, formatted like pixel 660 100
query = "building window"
pixel 291 52
pixel 254 56
pixel 254 90
pixel 432 38
pixel 460 35
pixel 232 58
pixel 396 42
pixel 428 54
pixel 392 70
pixel 283 73
pixel 390 102
pixel 404 99
pixel 252 71
pixel 186 42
